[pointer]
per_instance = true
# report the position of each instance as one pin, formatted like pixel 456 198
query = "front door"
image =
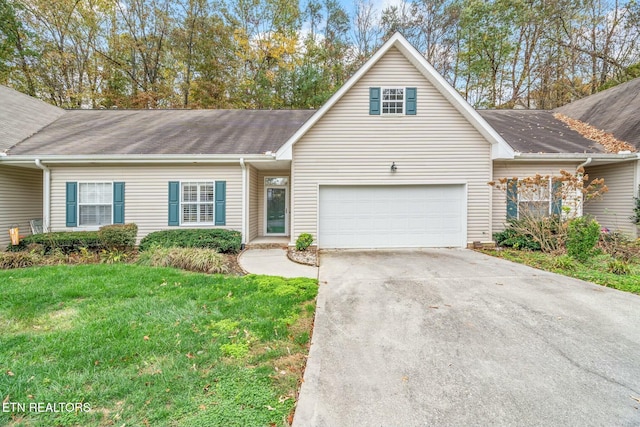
pixel 276 217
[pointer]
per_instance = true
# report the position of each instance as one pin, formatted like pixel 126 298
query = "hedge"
pixel 223 241
pixel 108 237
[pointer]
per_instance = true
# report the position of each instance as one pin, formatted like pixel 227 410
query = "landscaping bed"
pixel 152 346
pixel 598 269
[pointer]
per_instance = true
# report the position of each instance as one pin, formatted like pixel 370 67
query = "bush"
pixel 304 241
pixel 118 236
pixel 564 262
pixel 582 236
pixel 515 239
pixel 618 267
pixel 192 259
pixel 65 241
pixel 223 241
pixel 19 259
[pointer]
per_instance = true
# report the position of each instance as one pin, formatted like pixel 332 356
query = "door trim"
pixel 286 208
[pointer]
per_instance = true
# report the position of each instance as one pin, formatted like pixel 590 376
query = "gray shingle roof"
pixel 615 110
pixel 21 116
pixel 96 132
pixel 537 131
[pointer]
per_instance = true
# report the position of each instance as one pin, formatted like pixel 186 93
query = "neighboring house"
pixel 20 185
pixel 395 158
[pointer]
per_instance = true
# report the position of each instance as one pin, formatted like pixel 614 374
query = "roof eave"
pixel 135 158
pixel 576 156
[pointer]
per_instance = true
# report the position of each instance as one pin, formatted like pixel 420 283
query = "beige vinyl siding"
pixel 254 206
pixel 261 203
pixel 520 170
pixel 147 192
pixel 616 206
pixel 20 200
pixel 350 147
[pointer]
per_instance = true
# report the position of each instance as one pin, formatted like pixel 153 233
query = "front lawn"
pixel 143 346
pixel 595 269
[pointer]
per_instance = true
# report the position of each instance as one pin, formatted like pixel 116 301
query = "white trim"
pixel 549 201
pixel 245 203
pixel 140 158
pixel 92 226
pixel 500 149
pixel 46 196
pixel 286 205
pixel 404 101
pixel 181 212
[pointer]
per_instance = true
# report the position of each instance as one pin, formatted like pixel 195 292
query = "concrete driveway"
pixel 457 338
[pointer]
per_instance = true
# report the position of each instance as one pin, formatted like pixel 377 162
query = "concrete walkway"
pixel 274 262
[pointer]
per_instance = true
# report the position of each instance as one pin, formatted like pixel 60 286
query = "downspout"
pixel 582 165
pixel 588 161
pixel 244 202
pixel 46 196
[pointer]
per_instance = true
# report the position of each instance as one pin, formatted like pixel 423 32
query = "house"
pixel 20 185
pixel 395 158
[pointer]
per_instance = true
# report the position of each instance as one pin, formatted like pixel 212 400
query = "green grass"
pixel 152 346
pixel 594 270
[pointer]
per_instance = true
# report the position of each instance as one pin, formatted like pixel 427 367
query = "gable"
pixel 413 60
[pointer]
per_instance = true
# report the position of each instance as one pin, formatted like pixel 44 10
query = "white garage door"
pixel 392 216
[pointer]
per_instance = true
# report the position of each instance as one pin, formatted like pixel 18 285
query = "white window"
pixel 95 203
pixel 393 101
pixel 535 200
pixel 197 203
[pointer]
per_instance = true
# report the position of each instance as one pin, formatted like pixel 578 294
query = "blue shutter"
pixel 72 204
pixel 512 199
pixel 174 203
pixel 556 197
pixel 221 202
pixel 118 202
pixel 412 98
pixel 374 101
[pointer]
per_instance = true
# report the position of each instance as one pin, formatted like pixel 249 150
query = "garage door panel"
pixel 392 216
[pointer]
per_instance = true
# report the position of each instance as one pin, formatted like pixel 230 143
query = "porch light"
pixel 394 167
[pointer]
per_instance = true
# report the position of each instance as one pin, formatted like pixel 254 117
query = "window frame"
pixel 198 203
pixel 383 101
pixel 80 204
pixel 548 200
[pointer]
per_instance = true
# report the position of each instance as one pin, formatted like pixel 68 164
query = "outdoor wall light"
pixel 394 167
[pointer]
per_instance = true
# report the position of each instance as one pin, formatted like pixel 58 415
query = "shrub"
pixel 19 259
pixel 619 246
pixel 564 262
pixel 113 256
pixel 223 241
pixel 192 259
pixel 65 241
pixel 118 236
pixel 304 241
pixel 582 236
pixel 618 267
pixel 516 239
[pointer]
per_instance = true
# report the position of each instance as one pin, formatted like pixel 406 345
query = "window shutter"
pixel 512 199
pixel 118 202
pixel 174 203
pixel 221 202
pixel 72 204
pixel 556 197
pixel 374 101
pixel 412 98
